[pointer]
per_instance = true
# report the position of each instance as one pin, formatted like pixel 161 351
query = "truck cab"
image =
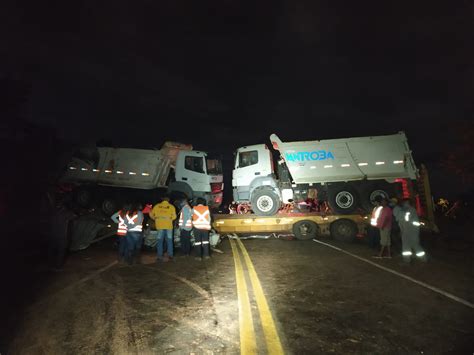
pixel 253 178
pixel 197 175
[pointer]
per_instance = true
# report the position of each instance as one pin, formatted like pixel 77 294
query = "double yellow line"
pixel 248 343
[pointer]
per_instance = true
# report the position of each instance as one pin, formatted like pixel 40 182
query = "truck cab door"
pixel 191 169
pixel 250 163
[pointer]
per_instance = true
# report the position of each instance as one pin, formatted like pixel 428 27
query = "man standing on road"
pixel 185 227
pixel 202 226
pixel 164 214
pixel 134 237
pixel 382 220
pixel 410 229
pixel 119 219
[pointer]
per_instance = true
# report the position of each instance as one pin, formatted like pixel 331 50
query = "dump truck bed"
pixel 380 157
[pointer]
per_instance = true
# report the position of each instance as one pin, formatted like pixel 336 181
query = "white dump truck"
pixel 347 173
pixel 111 176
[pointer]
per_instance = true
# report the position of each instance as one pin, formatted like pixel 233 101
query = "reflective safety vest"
pixel 188 223
pixel 409 218
pixel 201 217
pixel 375 216
pixel 122 227
pixel 130 220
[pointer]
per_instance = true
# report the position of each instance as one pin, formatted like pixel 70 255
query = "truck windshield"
pixel 214 166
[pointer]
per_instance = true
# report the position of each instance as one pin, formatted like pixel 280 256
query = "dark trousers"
pixel 374 237
pixel 201 242
pixel 134 246
pixel 185 237
pixel 122 247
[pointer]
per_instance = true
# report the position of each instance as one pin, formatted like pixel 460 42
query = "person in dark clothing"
pixel 202 226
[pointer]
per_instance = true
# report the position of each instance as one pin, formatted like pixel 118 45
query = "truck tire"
pixel 265 202
pixel 83 197
pixel 343 199
pixel 343 230
pixel 109 206
pixel 304 230
pixel 370 191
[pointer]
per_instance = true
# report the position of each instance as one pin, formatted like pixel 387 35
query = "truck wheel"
pixel 265 202
pixel 343 230
pixel 109 206
pixel 342 199
pixel 370 192
pixel 83 197
pixel 304 230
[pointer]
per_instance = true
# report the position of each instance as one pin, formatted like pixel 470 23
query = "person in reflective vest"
pixel 382 219
pixel 185 227
pixel 164 214
pixel 202 226
pixel 134 237
pixel 119 219
pixel 410 231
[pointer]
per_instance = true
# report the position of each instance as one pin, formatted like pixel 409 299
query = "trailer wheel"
pixel 343 230
pixel 83 197
pixel 304 230
pixel 265 202
pixel 371 191
pixel 343 199
pixel 109 206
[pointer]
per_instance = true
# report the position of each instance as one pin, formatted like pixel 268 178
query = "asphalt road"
pixel 301 297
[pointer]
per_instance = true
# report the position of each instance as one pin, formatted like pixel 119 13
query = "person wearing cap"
pixel 382 220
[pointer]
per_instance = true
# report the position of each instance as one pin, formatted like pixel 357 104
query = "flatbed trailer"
pixel 344 227
pixel 302 225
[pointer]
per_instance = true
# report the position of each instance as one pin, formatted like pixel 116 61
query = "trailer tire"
pixel 109 206
pixel 83 197
pixel 370 191
pixel 343 199
pixel 343 230
pixel 305 230
pixel 265 202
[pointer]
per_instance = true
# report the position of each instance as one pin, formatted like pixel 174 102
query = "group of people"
pixel 193 221
pixel 384 215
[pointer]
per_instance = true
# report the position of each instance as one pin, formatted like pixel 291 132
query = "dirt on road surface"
pixel 320 299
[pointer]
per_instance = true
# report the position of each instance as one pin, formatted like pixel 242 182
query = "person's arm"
pixel 140 218
pixel 114 217
pixel 152 214
pixel 414 217
pixel 173 213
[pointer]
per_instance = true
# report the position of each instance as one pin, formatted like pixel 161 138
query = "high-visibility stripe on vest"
pixel 201 217
pixel 375 215
pixel 122 227
pixel 138 227
pixel 188 224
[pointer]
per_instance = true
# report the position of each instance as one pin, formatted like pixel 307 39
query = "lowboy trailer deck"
pixel 302 225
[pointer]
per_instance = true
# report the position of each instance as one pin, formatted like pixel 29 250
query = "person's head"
pixel 384 202
pixel 406 202
pixel 165 199
pixel 184 202
pixel 200 201
pixel 377 201
pixel 393 202
pixel 126 207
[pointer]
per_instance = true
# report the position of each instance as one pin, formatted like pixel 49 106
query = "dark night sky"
pixel 221 74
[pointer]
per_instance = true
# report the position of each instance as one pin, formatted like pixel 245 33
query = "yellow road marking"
pixel 269 329
pixel 248 344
